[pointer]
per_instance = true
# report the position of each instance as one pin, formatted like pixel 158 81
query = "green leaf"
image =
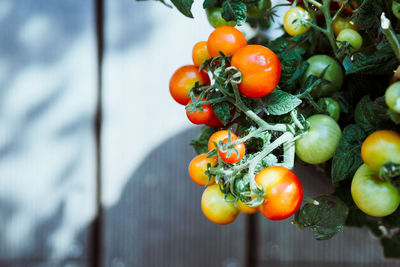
pixel 234 10
pixel 279 45
pixel 366 15
pixel 279 102
pixel 210 3
pixel 325 219
pixel 291 69
pixel 347 157
pixel 369 115
pixel 222 111
pixel 184 6
pixel 200 144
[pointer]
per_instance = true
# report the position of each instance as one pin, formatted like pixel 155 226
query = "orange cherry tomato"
pixel 219 136
pixel 200 117
pixel 200 53
pixel 341 23
pixel 284 192
pixel 216 208
pixel 183 80
pixel 348 9
pixel 197 168
pixel 226 39
pixel 234 156
pixel 260 68
pixel 245 208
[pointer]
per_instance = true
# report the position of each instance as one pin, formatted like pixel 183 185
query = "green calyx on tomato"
pixel 331 71
pixel 392 96
pixel 331 106
pixel 214 17
pixel 295 19
pixel 349 35
pixel 372 195
pixel 320 142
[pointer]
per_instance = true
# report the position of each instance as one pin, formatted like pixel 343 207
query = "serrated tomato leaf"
pixel 234 10
pixel 210 3
pixel 325 219
pixel 222 111
pixel 370 115
pixel 279 102
pixel 347 157
pixel 184 6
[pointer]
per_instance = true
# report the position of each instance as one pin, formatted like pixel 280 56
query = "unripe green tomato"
pixel 396 9
pixel 214 16
pixel 351 36
pixel 331 106
pixel 320 142
pixel 392 97
pixel 257 10
pixel 334 74
pixel 373 196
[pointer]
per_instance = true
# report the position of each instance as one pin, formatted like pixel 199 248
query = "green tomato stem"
pixel 315 3
pixel 310 200
pixel 390 35
pixel 340 10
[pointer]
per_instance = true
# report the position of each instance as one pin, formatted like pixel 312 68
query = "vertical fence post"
pixel 251 255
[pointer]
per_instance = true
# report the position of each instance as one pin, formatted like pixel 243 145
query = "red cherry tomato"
pixel 260 68
pixel 234 156
pixel 219 136
pixel 200 117
pixel 200 53
pixel 226 39
pixel 183 80
pixel 214 122
pixel 284 192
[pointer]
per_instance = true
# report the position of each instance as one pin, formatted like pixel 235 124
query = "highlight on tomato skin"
pixel 260 68
pixel 183 80
pixel 283 190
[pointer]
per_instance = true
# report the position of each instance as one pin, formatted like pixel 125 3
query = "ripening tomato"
pixel 372 195
pixel 349 7
pixel 245 208
pixel 341 23
pixel 200 117
pixel 197 168
pixel 183 80
pixel 283 190
pixel 320 142
pixel 332 72
pixel 225 39
pixel 216 208
pixel 235 156
pixel 214 17
pixel 200 53
pixel 379 148
pixel 351 36
pixel 219 136
pixel 291 21
pixel 392 96
pixel 260 68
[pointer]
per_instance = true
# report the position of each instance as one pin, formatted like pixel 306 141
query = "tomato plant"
pixel 379 148
pixel 197 168
pixel 245 208
pixel 225 39
pixel 327 68
pixel 320 142
pixel 373 196
pixel 215 18
pixel 284 192
pixel 199 116
pixel 183 80
pixel 216 137
pixel 392 97
pixel 331 106
pixel 216 208
pixel 232 155
pixel 295 21
pixel 260 69
pixel 341 23
pixel 258 9
pixel 354 38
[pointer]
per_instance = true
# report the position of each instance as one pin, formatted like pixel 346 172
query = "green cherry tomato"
pixel 392 97
pixel 257 10
pixel 331 106
pixel 396 9
pixel 333 74
pixel 214 16
pixel 319 143
pixel 351 36
pixel 373 196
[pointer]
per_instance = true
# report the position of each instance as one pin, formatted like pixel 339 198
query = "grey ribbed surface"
pixel 158 220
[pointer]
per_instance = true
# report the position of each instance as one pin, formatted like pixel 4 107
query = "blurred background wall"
pixel 151 210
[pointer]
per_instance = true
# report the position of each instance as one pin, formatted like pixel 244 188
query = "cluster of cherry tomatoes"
pixel 260 71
